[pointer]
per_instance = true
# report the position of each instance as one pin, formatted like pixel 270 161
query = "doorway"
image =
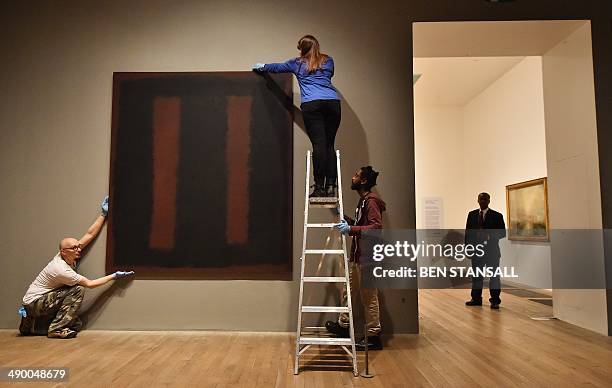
pixel 499 103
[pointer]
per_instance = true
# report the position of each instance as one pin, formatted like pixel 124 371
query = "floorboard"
pixel 458 346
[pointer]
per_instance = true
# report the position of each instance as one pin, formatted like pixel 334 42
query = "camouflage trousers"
pixel 54 311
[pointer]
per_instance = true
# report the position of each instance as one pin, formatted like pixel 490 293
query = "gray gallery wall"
pixel 58 60
pixel 56 111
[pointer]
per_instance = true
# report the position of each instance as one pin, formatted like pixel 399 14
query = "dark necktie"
pixel 480 219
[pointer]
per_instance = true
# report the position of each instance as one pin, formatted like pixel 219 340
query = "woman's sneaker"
pixel 318 192
pixel 330 191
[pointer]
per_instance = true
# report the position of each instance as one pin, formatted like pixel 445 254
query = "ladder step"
pixel 325 279
pixel 324 205
pixel 324 251
pixel 326 225
pixel 319 200
pixel 325 341
pixel 325 309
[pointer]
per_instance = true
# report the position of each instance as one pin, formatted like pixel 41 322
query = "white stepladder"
pixel 304 341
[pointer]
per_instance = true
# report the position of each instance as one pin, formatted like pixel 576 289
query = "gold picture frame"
pixel 527 210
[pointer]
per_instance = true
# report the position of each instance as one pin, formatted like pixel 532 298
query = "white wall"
pixel 439 170
pixel 505 144
pixel 573 169
pixel 496 139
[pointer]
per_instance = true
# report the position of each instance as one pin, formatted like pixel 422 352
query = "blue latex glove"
pixel 122 274
pixel 104 206
pixel 258 66
pixel 343 227
pixel 22 312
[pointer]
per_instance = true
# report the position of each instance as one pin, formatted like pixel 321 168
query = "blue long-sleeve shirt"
pixel 313 86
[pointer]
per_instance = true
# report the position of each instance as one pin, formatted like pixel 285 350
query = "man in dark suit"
pixel 485 226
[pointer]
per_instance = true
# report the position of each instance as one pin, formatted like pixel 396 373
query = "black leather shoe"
pixel 495 306
pixel 473 303
pixel 318 192
pixel 374 343
pixel 25 328
pixel 335 328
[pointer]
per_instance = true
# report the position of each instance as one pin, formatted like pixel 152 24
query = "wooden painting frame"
pixel 532 232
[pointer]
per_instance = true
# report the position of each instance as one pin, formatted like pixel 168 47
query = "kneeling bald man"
pixel 57 292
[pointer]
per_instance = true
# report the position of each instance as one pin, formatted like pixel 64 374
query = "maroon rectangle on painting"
pixel 201 176
pixel 166 127
pixel 237 159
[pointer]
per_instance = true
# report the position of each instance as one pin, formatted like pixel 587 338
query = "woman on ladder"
pixel 320 106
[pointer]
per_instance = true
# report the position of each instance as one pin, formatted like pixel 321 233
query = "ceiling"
pixel 458 60
pixel 489 39
pixel 455 81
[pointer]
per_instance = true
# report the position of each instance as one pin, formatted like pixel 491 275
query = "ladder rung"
pixel 326 225
pixel 325 309
pixel 323 206
pixel 325 341
pixel 325 279
pixel 319 200
pixel 317 334
pixel 323 251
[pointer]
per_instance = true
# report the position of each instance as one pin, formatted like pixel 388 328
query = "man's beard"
pixel 355 186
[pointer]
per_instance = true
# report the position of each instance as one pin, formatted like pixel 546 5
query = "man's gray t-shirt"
pixel 55 275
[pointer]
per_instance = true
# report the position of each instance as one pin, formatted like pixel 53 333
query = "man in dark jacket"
pixel 485 226
pixel 368 215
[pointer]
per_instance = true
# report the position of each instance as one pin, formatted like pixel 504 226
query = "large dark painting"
pixel 201 175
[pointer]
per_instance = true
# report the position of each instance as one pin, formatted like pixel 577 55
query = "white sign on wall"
pixel 432 212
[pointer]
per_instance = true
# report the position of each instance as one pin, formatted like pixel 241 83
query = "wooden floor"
pixel 457 346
